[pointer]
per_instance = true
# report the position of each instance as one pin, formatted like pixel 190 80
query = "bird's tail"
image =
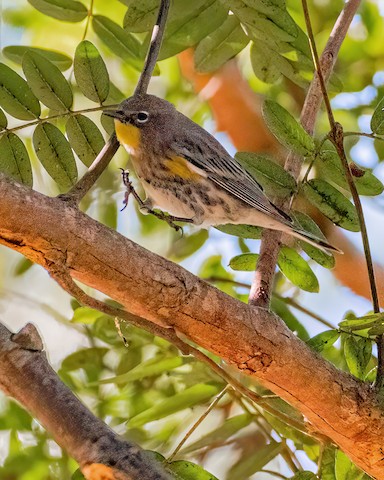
pixel 314 240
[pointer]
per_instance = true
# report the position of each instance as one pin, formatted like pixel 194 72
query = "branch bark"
pixel 26 375
pixel 56 235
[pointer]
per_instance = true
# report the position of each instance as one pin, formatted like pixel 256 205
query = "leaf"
pixel 86 315
pixel 55 154
pixel 47 82
pixel 16 53
pixel 242 231
pixel 286 129
pixel 329 166
pixel 23 266
pixel 282 310
pixel 345 469
pixel 323 340
pixel 14 159
pixel 271 176
pixel 85 138
pixel 122 43
pixel 297 270
pixel 377 120
pixel 3 120
pixel 327 466
pixel 84 358
pixel 141 16
pixel 16 97
pixel 66 10
pixel 362 323
pixel 149 368
pixel 331 203
pixel 195 395
pixel 324 259
pixel 248 465
pixel 220 45
pixel 197 20
pixel 246 262
pixel 90 72
pixel 305 475
pixel 183 470
pixel 230 427
pixel 357 353
pixel 188 245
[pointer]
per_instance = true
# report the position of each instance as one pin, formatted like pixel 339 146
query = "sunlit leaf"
pixel 286 129
pixel 242 231
pixel 85 138
pixel 332 203
pixel 357 353
pixel 323 340
pixel 55 154
pixel 16 97
pixel 14 159
pixel 345 469
pixel 66 10
pixel 16 53
pixel 246 262
pixel 47 82
pixel 183 470
pixel 304 476
pixel 90 72
pixel 297 270
pixel 220 45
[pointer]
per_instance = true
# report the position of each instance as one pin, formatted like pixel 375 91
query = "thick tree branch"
pixel 269 251
pixel 26 375
pixel 54 234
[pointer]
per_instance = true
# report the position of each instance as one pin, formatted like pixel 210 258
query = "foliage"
pixel 56 97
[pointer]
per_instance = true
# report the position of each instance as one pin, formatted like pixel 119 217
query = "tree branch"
pixel 270 245
pixel 52 233
pixel 26 375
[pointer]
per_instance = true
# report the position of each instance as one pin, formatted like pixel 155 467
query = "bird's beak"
pixel 112 113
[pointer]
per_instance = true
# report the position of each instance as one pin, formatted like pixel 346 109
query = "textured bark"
pixel 55 235
pixel 26 375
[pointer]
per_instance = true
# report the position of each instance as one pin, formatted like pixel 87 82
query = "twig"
pixel 154 49
pixel 270 245
pixel 337 138
pixel 98 166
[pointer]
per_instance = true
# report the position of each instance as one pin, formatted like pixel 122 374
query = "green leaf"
pixel 66 10
pixel 282 310
pixel 286 129
pixel 188 245
pixel 220 45
pixel 248 465
pixel 183 470
pixel 332 203
pixel 84 358
pixel 195 395
pixel 327 466
pixel 345 469
pixel 297 270
pixel 242 231
pixel 323 340
pixel 246 262
pixel 306 475
pixel 141 16
pixel 16 97
pixel 230 427
pixel 377 120
pixel 85 138
pixel 47 82
pixel 77 475
pixel 14 159
pixel 16 53
pixel 3 120
pixel 90 72
pixel 271 176
pixel 55 154
pixel 329 166
pixel 23 266
pixel 362 323
pixel 357 353
pixel 122 43
pixel 198 19
pixel 324 259
pixel 86 315
pixel 149 368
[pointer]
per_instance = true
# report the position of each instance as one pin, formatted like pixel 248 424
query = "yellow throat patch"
pixel 128 135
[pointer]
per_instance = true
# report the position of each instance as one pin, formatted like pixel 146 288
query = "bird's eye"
pixel 142 117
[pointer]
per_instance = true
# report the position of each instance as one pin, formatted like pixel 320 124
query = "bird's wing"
pixel 226 172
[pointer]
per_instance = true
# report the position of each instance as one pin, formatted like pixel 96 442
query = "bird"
pixel 187 173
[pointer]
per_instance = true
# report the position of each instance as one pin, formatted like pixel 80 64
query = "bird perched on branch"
pixel 186 172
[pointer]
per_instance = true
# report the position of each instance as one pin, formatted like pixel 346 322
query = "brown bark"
pixel 26 375
pixel 51 233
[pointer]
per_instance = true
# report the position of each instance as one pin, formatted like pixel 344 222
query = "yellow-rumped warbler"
pixel 185 171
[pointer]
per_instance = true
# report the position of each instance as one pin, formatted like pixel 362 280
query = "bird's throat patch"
pixel 128 135
pixel 182 168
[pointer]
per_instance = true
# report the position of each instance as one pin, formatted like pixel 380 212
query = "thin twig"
pixel 270 244
pixel 154 49
pixel 337 138
pixel 212 405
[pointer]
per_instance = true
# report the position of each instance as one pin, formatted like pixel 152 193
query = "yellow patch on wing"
pixel 127 134
pixel 182 168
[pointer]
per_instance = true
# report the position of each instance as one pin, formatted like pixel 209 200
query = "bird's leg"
pixel 145 207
